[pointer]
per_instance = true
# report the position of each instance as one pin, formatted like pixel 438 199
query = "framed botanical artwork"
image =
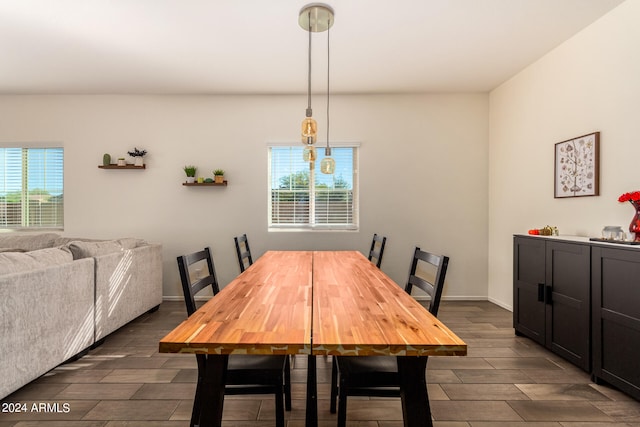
pixel 577 166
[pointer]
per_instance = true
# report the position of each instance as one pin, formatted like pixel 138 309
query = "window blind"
pixel 31 188
pixel 303 197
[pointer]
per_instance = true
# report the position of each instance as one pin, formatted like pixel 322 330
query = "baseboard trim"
pixel 500 304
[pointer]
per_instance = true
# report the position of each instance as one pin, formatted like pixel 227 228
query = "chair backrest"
pixel 434 290
pixel 191 287
pixel 243 252
pixel 377 249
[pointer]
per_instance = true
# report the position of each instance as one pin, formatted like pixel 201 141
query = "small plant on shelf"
pixel 190 171
pixel 137 156
pixel 137 153
pixel 219 175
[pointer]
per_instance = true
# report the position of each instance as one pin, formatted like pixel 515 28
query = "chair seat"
pixel 251 362
pixel 380 372
pixel 359 365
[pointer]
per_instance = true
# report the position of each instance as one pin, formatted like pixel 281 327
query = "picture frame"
pixel 577 167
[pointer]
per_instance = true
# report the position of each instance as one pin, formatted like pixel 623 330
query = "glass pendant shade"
pixel 309 129
pixel 309 154
pixel 328 165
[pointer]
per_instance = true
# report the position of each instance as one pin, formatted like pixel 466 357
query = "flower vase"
pixel 634 227
pixel 139 161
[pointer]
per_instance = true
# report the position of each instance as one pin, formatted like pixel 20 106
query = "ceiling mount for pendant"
pixel 316 17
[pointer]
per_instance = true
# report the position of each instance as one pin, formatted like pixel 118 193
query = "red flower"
pixel 634 196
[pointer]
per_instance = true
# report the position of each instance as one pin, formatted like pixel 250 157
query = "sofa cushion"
pixel 17 262
pixel 28 242
pixel 81 249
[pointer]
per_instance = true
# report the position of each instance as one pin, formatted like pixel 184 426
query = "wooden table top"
pixel 265 310
pixel 357 310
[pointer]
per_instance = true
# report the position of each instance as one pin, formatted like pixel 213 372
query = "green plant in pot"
pixel 218 175
pixel 190 171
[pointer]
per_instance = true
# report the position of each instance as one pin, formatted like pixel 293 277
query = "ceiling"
pixel 257 46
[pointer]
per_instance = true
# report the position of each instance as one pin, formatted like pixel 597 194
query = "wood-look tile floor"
pixel 504 381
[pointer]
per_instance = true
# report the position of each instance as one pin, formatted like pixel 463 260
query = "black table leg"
pixel 413 391
pixel 311 417
pixel 212 391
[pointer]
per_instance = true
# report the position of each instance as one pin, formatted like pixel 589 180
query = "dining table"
pixel 315 303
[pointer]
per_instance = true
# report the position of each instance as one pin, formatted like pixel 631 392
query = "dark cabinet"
pixel 616 317
pixel 551 295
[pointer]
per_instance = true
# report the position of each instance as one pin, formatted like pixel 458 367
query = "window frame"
pixel 310 227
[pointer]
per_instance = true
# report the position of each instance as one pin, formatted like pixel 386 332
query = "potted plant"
pixel 137 156
pixel 218 174
pixel 190 171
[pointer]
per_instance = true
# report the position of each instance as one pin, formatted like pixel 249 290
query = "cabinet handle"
pixel 548 290
pixel 540 292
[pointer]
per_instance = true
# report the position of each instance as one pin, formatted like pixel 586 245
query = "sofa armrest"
pixel 128 284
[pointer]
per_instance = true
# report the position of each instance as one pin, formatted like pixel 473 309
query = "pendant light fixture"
pixel 328 165
pixel 314 18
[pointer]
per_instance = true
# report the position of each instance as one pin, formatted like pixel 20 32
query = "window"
pixel 304 198
pixel 31 188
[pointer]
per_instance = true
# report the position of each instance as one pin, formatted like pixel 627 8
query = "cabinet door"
pixel 616 317
pixel 528 287
pixel 567 294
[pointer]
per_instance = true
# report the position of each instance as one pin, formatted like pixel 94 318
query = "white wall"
pixel 423 173
pixel 590 83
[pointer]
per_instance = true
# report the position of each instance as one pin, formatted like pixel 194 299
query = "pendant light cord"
pixel 309 73
pixel 328 56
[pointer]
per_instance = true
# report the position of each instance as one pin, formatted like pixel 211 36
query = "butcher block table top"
pixel 265 310
pixel 359 311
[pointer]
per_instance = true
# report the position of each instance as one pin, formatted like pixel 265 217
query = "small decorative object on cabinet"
pixel 121 162
pixel 613 232
pixel 218 174
pixel 138 156
pixel 634 199
pixel 190 171
pixel 106 159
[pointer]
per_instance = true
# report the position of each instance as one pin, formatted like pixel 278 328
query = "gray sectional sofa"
pixel 59 296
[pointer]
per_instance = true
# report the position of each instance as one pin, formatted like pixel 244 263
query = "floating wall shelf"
pixel 205 184
pixel 128 166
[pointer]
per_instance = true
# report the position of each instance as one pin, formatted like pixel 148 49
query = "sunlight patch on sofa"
pixel 78 340
pixel 119 280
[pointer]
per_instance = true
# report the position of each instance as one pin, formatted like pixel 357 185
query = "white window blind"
pixel 31 188
pixel 302 197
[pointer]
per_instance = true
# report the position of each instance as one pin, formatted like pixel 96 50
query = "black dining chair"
pixel 377 249
pixel 378 375
pixel 243 251
pixel 246 374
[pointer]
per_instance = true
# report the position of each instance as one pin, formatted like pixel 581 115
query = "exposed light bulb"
pixel 327 165
pixel 309 130
pixel 309 154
